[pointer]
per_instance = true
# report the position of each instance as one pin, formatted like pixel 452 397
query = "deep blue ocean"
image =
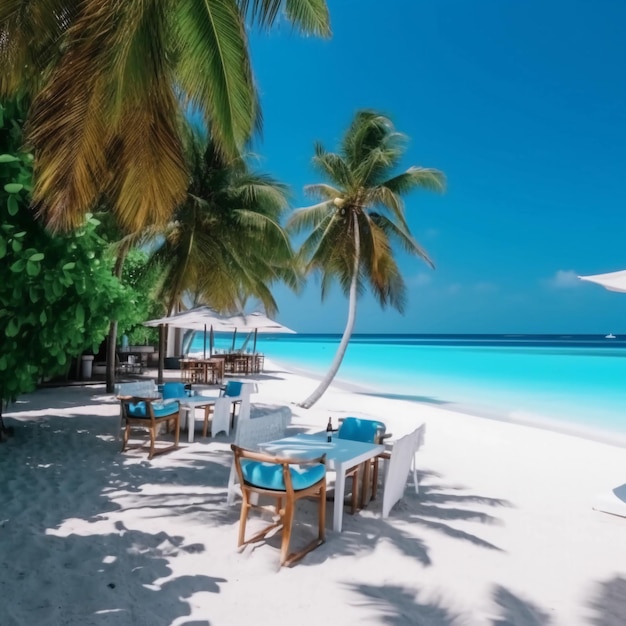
pixel 575 383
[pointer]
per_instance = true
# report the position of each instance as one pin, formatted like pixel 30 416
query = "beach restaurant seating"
pixel 141 406
pixel 189 402
pixel 234 394
pixel 367 431
pixel 401 462
pixel 250 433
pixel 286 481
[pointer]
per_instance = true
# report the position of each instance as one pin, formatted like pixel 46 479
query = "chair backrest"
pixel 397 472
pixel 142 388
pixel 250 433
pixel 233 388
pixel 173 390
pixel 358 429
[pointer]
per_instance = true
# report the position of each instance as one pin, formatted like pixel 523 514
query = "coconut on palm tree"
pixel 109 80
pixel 360 216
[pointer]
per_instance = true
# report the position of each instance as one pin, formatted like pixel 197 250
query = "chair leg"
pixel 365 484
pixel 152 442
pixel 207 414
pixel 375 480
pixel 126 436
pixel 322 514
pixel 176 427
pixel 355 492
pixel 243 518
pixel 287 525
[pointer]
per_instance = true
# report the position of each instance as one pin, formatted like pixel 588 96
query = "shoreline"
pixel 541 422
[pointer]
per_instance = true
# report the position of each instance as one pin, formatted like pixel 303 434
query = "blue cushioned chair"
pixel 173 390
pixel 286 480
pixel 149 413
pixel 367 431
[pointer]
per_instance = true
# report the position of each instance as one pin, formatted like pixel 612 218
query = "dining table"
pixel 203 371
pixel 342 455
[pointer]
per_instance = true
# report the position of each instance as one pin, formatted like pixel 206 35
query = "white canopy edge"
pixel 613 281
pixel 204 317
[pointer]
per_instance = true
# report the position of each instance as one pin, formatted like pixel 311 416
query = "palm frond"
pixel 333 166
pixel 425 178
pixel 403 236
pixel 214 68
pixel 310 217
pixel 323 191
pixel 30 38
pixel 309 16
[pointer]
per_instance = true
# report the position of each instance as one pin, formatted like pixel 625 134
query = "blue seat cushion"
pixel 138 409
pixel 233 388
pixel 357 429
pixel 173 390
pixel 270 475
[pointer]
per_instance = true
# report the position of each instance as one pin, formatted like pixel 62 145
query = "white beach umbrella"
pixel 613 281
pixel 614 502
pixel 258 322
pixel 195 319
pixel 202 317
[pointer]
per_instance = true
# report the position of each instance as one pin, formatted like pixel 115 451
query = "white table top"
pixel 192 401
pixel 339 452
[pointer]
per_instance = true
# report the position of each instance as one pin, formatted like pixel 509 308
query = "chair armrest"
pixel 140 398
pixel 264 457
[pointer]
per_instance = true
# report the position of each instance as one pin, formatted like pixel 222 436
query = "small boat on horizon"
pixel 610 336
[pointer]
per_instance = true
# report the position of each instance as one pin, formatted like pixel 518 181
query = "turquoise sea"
pixel 573 383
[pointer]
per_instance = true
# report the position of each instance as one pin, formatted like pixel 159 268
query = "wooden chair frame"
pixel 285 502
pixel 372 466
pixel 150 422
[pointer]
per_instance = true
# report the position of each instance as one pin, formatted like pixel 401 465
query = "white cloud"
pixel 420 280
pixel 564 279
pixel 485 287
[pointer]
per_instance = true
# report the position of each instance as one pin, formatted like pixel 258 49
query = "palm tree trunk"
pixel 112 338
pixel 347 333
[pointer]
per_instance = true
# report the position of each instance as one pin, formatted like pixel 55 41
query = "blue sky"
pixel 521 104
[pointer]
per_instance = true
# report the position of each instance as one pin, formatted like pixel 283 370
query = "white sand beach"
pixel 502 533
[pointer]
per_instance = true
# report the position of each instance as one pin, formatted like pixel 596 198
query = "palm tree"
pixel 225 243
pixel 109 80
pixel 360 215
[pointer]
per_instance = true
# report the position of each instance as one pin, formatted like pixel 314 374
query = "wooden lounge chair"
pixel 149 413
pixel 287 481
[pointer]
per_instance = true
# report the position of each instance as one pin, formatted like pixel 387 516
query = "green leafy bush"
pixel 57 291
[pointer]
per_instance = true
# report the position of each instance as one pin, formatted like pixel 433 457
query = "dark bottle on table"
pixel 329 430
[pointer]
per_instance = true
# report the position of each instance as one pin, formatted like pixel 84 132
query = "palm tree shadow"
pixel 441 507
pixel 399 606
pixel 516 611
pixel 609 603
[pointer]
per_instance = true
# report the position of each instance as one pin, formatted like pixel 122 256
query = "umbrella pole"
pixel 204 344
pixel 232 349
pixel 254 348
pixel 211 339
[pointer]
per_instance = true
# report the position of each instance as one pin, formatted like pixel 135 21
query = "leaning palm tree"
pixel 360 215
pixel 108 79
pixel 225 242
